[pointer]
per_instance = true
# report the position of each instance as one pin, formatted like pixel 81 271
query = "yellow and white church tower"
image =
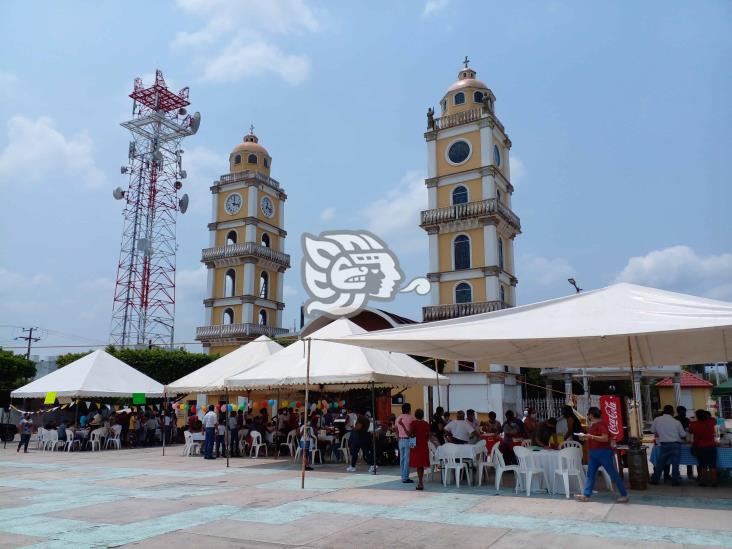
pixel 246 260
pixel 471 229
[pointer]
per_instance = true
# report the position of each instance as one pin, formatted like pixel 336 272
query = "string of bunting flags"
pixel 250 405
pixel 89 406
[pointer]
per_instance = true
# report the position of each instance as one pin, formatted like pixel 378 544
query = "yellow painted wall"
pixel 245 165
pixel 469 103
pixel 445 168
pixel 273 283
pixel 475 192
pixel 221 235
pixel 476 248
pixel 447 290
pixel 699 396
pixel 218 314
pixel 271 315
pixel 274 239
pixel 220 284
pixel 275 219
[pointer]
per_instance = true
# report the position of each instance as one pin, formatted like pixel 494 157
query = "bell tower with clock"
pixel 246 259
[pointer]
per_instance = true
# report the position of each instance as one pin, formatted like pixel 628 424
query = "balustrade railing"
pixel 455 310
pixel 490 206
pixel 246 249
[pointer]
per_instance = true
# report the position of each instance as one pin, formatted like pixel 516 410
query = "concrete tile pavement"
pixel 115 498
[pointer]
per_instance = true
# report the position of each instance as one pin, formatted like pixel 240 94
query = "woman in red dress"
pixel 419 456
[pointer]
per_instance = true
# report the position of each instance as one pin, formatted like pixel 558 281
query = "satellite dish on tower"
pixel 183 204
pixel 118 193
pixel 195 122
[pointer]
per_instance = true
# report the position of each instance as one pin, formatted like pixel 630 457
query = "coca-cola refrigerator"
pixel 615 413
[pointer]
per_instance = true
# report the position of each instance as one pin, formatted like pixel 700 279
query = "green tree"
pixel 15 371
pixel 68 358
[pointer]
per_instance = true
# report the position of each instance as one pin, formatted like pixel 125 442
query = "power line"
pixel 29 338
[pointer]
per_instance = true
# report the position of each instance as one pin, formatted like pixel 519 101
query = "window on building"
pixel 237 159
pixel 262 317
pixel 459 195
pixel 443 104
pixel 498 194
pixel 266 162
pixel 459 151
pixel 500 252
pixel 503 293
pixel 478 97
pixel 252 159
pixel 496 155
pixel 459 98
pixel 230 283
pixel 461 252
pixel 264 285
pixel 466 366
pixel 228 316
pixel 265 240
pixel 231 238
pixel 463 293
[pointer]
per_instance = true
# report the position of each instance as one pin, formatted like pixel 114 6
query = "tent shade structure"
pixel 97 374
pixel 334 365
pixel 599 328
pixel 210 378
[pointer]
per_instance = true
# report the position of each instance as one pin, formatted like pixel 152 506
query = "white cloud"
pixel 395 217
pixel 327 214
pixel 545 271
pixel 518 170
pixel 434 6
pixel 203 166
pixel 36 150
pixel 231 45
pixel 289 291
pixel 13 280
pixel 680 268
pixel 240 60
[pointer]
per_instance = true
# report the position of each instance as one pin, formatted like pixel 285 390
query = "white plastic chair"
pixel 570 465
pixel 485 462
pixel 500 465
pixel 257 444
pixel 70 440
pixel 434 462
pixel 454 464
pixel 344 450
pixel 191 448
pixel 39 437
pixel 289 444
pixel 50 440
pixel 114 439
pixel 528 469
pixel 95 439
pixel 570 444
pixel 314 451
pixel 526 443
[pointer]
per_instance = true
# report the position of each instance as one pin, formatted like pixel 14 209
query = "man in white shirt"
pixel 210 421
pixel 459 430
pixel 669 433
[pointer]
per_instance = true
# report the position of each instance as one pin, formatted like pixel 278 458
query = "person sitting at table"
pixel 545 432
pixel 703 447
pixel 492 426
pixel 512 429
pixel 83 420
pixel 530 423
pixel 437 427
pixel 569 424
pixel 459 431
pixel 600 455
pixel 470 418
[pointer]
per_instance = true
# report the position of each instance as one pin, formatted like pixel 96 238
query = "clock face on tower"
pixel 233 203
pixel 267 207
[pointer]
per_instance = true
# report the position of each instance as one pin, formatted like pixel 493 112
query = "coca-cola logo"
pixel 611 411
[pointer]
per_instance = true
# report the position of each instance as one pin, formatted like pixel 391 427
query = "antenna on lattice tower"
pixel 143 313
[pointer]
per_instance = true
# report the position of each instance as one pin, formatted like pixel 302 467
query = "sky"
pixel 619 114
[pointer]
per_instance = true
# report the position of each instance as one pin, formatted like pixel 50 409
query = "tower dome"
pixel 466 93
pixel 250 155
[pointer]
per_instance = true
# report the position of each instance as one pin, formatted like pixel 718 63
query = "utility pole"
pixel 29 338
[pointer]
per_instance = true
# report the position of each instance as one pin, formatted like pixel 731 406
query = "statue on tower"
pixel 430 119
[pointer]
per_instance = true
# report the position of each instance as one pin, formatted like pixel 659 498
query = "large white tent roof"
pixel 589 329
pixel 97 374
pixel 333 364
pixel 210 378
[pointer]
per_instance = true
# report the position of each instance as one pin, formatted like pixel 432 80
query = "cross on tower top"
pixel 466 61
pixel 251 129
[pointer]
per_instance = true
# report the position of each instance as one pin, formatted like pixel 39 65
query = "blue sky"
pixel 619 114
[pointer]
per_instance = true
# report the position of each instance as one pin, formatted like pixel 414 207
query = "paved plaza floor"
pixel 139 497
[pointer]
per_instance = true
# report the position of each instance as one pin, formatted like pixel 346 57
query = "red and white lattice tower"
pixel 144 295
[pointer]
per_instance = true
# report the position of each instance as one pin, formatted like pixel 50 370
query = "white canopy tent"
pixel 334 365
pixel 608 327
pixel 97 374
pixel 211 378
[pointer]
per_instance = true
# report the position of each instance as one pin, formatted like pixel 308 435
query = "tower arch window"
pixel 263 285
pixel 463 293
pixel 262 317
pixel 459 98
pixel 500 253
pixel 231 238
pixel 503 293
pixel 461 252
pixel 228 316
pixel 265 240
pixel 230 283
pixel 478 97
pixel 443 104
pixel 237 159
pixel 496 155
pixel 498 194
pixel 265 161
pixel 458 152
pixel 252 159
pixel 459 195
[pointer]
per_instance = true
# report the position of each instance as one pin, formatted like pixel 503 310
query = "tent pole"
pixel 437 377
pixel 632 388
pixel 227 436
pixel 373 430
pixel 306 431
pixel 165 399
